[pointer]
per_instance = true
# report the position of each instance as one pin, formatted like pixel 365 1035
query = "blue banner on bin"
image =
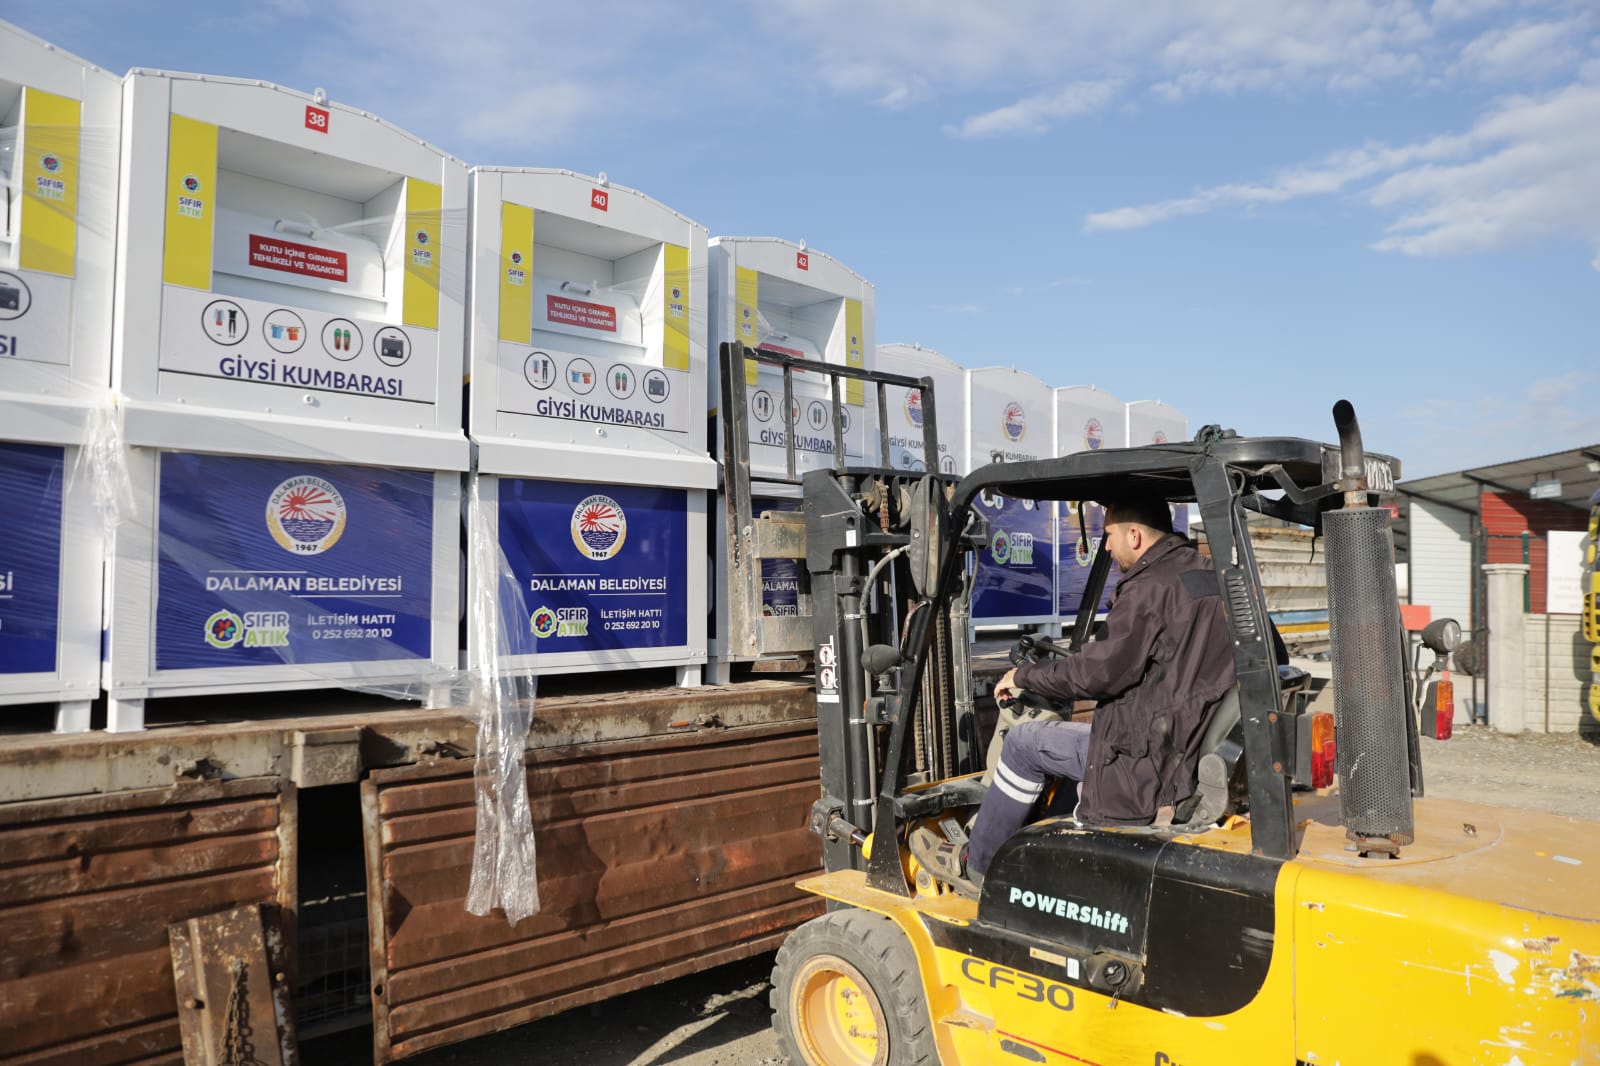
pixel 780 578
pixel 1079 543
pixel 266 561
pixel 1016 572
pixel 601 567
pixel 30 557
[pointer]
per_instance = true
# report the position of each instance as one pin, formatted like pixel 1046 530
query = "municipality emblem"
pixel 305 515
pixel 914 407
pixel 599 527
pixel 1014 420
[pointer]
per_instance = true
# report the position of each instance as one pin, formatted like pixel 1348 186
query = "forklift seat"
pixel 1222 754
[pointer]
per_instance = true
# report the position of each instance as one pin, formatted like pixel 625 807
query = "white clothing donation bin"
pixel 59 125
pixel 289 331
pixel 907 407
pixel 1012 419
pixel 588 360
pixel 1088 419
pixel 796 301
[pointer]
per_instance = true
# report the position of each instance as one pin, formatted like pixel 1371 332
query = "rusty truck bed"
pixel 670 826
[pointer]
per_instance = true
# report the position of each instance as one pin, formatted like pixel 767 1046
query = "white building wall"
pixel 1441 561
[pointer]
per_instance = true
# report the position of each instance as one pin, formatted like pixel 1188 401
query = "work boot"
pixel 945 861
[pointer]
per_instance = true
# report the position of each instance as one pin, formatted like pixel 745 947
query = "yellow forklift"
pixel 1282 919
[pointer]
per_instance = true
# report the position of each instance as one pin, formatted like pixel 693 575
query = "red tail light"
pixel 1439 711
pixel 1321 749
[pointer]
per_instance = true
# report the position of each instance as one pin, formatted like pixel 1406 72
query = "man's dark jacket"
pixel 1166 660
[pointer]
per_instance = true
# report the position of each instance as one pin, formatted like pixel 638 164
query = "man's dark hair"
pixel 1144 508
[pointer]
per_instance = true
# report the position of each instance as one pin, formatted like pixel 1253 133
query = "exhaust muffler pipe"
pixel 1369 695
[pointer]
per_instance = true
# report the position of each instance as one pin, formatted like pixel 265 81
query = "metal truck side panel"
pixel 657 857
pixel 88 887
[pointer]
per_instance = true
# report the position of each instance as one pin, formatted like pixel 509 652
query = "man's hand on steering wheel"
pixel 1006 688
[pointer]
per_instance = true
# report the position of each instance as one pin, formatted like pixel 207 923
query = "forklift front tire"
pixel 846 992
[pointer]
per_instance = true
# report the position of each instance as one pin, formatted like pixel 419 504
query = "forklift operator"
pixel 1159 672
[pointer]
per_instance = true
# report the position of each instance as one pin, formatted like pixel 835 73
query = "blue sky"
pixel 1247 208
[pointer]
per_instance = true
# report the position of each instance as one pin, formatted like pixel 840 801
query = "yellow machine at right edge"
pixel 1277 921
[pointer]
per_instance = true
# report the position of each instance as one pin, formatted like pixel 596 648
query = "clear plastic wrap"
pixel 102 462
pixel 504 864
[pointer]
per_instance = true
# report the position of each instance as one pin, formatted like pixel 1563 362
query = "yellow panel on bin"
pixel 49 208
pixel 516 273
pixel 853 353
pixel 424 240
pixel 191 201
pixel 747 293
pixel 675 312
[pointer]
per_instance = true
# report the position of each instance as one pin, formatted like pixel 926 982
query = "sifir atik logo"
pixel 253 629
pixel 190 205
pixel 560 622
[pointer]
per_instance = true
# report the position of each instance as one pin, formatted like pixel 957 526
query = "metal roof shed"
pixel 1452 523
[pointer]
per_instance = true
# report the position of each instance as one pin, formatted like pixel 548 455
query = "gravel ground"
pixel 1556 772
pixel 721 1017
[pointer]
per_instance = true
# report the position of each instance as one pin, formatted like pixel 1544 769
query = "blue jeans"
pixel 1033 753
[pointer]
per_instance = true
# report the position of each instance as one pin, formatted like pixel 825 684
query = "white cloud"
pixel 1035 114
pixel 899 52
pixel 896 49
pixel 498 74
pixel 1548 415
pixel 1527 170
pixel 1444 12
pixel 1071 282
pixel 1527 50
pixel 537 114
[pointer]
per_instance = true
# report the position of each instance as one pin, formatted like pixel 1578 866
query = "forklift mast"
pixel 858 550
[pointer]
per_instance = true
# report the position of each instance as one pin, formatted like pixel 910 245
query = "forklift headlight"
pixel 1442 635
